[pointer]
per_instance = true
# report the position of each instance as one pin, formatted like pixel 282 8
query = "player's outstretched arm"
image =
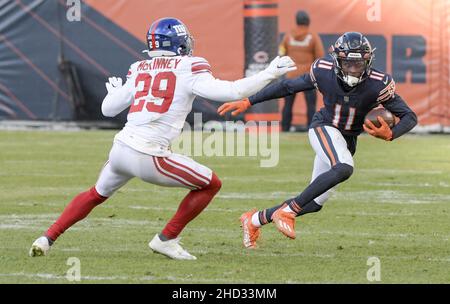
pixel 280 89
pixel 236 106
pixel 118 98
pixel 219 90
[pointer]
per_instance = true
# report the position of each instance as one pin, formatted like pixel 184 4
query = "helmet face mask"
pixel 352 71
pixel 353 57
pixel 354 68
pixel 169 37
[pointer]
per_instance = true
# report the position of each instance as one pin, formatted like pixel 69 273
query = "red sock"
pixel 77 210
pixel 190 207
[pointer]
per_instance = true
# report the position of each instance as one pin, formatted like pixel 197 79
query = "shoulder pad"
pixel 318 68
pixel 200 65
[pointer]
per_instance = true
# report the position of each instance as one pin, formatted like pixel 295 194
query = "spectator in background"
pixel 303 47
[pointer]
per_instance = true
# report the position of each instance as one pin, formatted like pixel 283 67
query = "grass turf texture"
pixel 394 207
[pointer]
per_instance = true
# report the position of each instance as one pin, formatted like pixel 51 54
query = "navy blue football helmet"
pixel 353 57
pixel 169 37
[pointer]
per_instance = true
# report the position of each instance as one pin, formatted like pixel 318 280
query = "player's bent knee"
pixel 100 192
pixel 215 183
pixel 343 171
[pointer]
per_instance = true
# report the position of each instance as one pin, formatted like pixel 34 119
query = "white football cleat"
pixel 40 247
pixel 170 248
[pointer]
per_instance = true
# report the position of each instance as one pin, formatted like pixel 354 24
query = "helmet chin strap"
pixel 351 80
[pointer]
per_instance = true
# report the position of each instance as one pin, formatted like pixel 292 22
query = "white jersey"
pixel 159 93
pixel 162 90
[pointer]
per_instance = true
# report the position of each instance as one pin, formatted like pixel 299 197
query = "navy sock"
pixel 265 216
pixel 321 184
pixel 309 208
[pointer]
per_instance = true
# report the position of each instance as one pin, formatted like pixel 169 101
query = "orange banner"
pixel 412 40
pixel 411 36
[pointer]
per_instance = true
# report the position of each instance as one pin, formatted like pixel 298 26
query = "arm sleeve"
pixel 283 88
pixel 408 119
pixel 220 90
pixel 119 100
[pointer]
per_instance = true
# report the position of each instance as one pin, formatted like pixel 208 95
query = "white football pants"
pixel 174 171
pixel 331 149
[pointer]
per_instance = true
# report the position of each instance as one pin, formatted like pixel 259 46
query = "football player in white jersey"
pixel 159 93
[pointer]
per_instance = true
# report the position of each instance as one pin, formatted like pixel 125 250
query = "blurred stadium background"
pixel 53 68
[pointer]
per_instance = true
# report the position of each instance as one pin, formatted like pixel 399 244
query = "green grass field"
pixel 395 207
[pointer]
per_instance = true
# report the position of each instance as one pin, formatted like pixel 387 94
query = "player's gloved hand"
pixel 280 66
pixel 383 132
pixel 238 107
pixel 114 84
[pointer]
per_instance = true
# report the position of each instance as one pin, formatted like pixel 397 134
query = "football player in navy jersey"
pixel 350 89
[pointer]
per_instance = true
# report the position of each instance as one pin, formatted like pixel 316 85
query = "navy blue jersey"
pixel 344 108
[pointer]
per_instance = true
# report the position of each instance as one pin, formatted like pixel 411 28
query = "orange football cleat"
pixel 251 232
pixel 285 222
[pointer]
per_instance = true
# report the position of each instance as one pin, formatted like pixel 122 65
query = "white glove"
pixel 280 66
pixel 114 84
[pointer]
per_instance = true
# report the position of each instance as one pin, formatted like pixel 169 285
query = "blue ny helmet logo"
pixel 180 29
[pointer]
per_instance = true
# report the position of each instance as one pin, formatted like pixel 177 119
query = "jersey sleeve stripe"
pixel 377 74
pixel 388 95
pixel 200 62
pixel 323 66
pixel 326 62
pixel 376 77
pixel 201 69
pixel 201 66
pixel 383 96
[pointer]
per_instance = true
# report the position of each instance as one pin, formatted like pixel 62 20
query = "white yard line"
pixel 385 171
pixel 406 185
pixel 50 276
pixel 48 162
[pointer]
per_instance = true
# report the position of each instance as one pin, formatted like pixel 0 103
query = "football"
pixel 385 114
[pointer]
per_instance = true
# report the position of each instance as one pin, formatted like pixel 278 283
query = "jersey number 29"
pixel 160 99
